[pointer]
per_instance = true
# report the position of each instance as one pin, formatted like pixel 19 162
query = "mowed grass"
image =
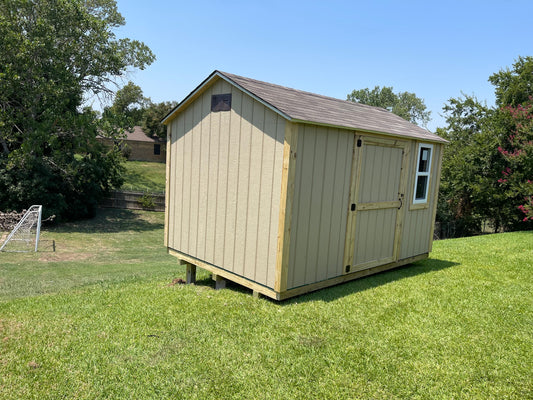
pixel 458 325
pixel 144 176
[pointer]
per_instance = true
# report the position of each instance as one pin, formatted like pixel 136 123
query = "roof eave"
pixel 437 139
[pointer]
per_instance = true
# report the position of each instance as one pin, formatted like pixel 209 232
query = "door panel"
pixel 376 203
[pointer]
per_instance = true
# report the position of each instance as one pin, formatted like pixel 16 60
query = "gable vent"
pixel 221 102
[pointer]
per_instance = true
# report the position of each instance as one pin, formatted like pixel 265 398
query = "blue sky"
pixel 434 49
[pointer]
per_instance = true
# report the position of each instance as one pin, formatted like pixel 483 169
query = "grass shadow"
pixel 109 220
pixel 333 293
pixel 382 278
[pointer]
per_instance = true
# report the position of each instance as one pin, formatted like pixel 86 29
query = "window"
pixel 221 102
pixel 157 149
pixel 423 169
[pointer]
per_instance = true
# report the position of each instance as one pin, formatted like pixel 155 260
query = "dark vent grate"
pixel 221 102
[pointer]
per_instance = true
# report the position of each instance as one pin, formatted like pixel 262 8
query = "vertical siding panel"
pixel 328 206
pixel 277 167
pixel 222 185
pixel 212 186
pixel 175 176
pixel 360 239
pixel 342 194
pixel 254 190
pixel 304 207
pixel 195 176
pixel 392 215
pixel 180 184
pixel 186 203
pixel 362 198
pixel 243 184
pixel 380 164
pixel 295 223
pixel 386 181
pixel 412 243
pixel 233 178
pixel 171 205
pixel 301 208
pixel 416 241
pixel 203 200
pixel 317 215
pixel 265 197
pixel 407 234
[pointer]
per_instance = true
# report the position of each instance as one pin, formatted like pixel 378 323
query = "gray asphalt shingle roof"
pixel 301 106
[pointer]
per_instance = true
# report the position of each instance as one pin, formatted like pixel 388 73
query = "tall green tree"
pixel 54 54
pixel 469 191
pixel 153 114
pixel 404 104
pixel 514 86
pixel 129 103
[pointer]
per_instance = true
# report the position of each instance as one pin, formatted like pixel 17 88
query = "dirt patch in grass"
pixel 9 328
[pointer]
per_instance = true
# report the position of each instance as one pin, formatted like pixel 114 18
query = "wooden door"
pixel 376 207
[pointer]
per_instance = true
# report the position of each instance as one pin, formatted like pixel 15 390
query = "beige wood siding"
pixel 320 204
pixel 226 183
pixel 418 222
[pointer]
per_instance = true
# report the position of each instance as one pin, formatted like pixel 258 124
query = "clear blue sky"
pixel 435 49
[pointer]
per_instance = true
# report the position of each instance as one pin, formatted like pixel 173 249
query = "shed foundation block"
pixel 190 273
pixel 220 283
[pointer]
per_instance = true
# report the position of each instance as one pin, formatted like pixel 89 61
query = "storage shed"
pixel 285 191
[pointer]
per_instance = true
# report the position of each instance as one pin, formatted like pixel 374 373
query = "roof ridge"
pixel 317 95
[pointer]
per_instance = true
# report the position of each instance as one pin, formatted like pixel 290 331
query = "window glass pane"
pixel 421 186
pixel 425 158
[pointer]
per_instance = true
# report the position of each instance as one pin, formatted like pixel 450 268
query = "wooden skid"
pixel 257 289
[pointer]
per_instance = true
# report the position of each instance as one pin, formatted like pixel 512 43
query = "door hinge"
pixel 359 142
pixel 353 207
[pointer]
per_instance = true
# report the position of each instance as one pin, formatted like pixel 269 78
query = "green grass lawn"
pixel 144 176
pixel 98 319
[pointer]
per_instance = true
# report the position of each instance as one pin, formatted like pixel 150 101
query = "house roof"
pixel 138 135
pixel 305 107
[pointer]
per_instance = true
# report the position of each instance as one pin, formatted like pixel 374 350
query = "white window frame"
pixel 427 173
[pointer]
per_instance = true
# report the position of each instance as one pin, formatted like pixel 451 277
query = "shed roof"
pixel 300 106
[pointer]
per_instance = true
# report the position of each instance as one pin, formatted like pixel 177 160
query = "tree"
pixel 469 192
pixel 130 103
pixel 54 54
pixel 404 104
pixel 514 87
pixel 514 96
pixel 153 114
pixel 488 165
pixel 517 151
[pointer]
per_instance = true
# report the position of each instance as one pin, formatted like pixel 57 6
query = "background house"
pixel 137 146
